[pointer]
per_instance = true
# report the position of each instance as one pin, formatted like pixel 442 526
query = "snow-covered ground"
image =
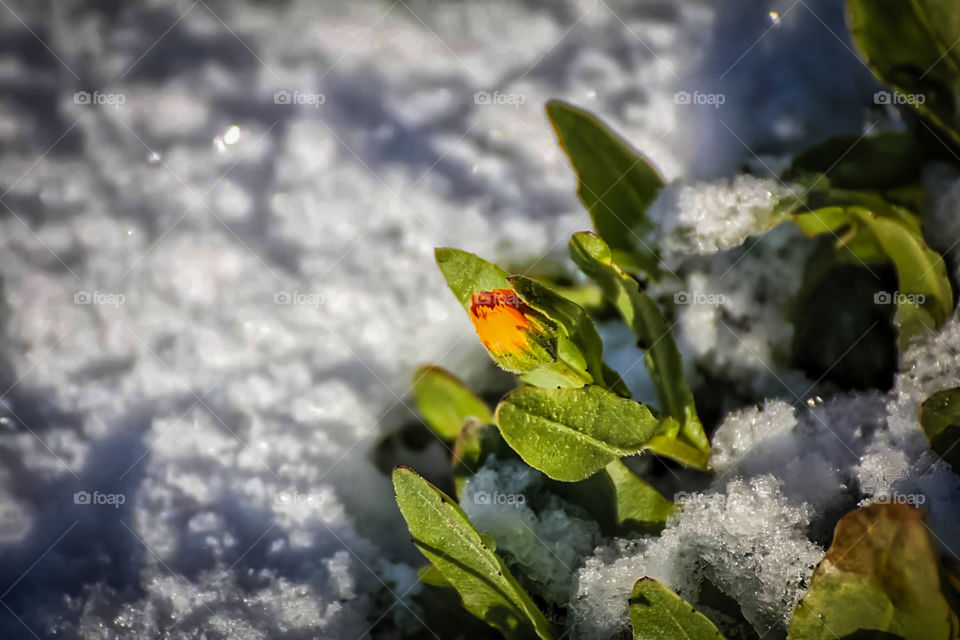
pixel 216 259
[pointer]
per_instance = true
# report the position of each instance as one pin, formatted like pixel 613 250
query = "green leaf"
pixel 574 320
pixel 862 162
pixel 444 534
pixel 654 336
pixel 880 574
pixel 657 613
pixel 587 296
pixel 518 338
pixel 638 504
pixel 430 575
pixel 551 376
pixel 570 434
pixel 619 500
pixel 477 442
pixel 669 446
pixel 445 402
pixel 616 183
pixel 615 383
pixel 840 335
pixel 441 610
pixel 867 200
pixel 921 272
pixel 467 274
pixel 910 45
pixel 925 300
pixel 940 419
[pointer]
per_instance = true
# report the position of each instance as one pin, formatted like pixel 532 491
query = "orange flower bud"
pixel 518 337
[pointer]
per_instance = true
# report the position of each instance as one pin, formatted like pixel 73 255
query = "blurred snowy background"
pixel 216 241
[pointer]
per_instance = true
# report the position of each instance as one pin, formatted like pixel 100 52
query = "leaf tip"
pixel 402 470
pixel 425 369
pixel 440 254
pixel 554 106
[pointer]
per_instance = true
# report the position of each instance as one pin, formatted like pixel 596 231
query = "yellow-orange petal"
pixel 501 320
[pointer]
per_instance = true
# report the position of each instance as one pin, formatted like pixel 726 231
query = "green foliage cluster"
pixel 574 420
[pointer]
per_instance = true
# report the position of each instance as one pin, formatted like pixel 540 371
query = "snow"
pixel 732 311
pixel 785 473
pixel 536 531
pixel 901 464
pixel 710 217
pixel 747 539
pixel 214 301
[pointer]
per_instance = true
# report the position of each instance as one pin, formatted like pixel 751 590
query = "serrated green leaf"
pixel 940 419
pixel 911 46
pixel 616 183
pixel 925 300
pixel 445 402
pixel 654 336
pixel 570 434
pixel 444 534
pixel 518 338
pixel 657 613
pixel 880 574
